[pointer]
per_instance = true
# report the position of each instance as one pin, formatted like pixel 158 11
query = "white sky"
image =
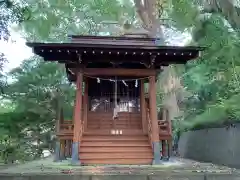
pixel 15 51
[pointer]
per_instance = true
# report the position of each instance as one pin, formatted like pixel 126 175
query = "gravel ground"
pixel 175 165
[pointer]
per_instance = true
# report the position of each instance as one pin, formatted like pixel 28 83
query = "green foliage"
pixel 184 13
pixel 31 101
pixel 56 19
pixel 212 81
pixel 30 107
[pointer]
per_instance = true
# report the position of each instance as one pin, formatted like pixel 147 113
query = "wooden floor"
pixel 119 142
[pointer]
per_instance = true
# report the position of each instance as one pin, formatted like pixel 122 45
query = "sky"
pixel 15 51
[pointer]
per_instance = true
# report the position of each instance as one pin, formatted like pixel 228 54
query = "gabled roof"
pixel 104 51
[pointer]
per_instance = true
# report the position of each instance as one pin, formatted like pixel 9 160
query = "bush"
pixel 222 114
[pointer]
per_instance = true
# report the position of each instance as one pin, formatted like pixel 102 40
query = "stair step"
pixel 114 149
pixel 111 122
pixel 109 132
pixel 120 145
pixel 120 114
pixel 117 161
pixel 106 122
pixel 116 144
pixel 114 138
pixel 123 155
pixel 117 126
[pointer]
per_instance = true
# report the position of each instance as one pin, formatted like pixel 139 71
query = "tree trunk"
pixel 148 13
pixel 225 7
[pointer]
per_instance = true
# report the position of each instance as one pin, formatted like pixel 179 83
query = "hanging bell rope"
pixel 116 108
pixel 125 80
pixel 115 93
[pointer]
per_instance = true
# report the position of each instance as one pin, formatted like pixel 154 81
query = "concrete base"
pixel 165 159
pixel 57 152
pixel 163 176
pixel 175 169
pixel 156 153
pixel 75 154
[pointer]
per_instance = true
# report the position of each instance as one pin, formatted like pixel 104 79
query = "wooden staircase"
pixel 97 148
pixel 124 144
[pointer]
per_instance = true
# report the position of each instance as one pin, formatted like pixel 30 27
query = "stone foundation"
pixel 216 145
pixel 175 169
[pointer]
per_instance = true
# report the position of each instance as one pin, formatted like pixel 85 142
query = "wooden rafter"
pixel 119 72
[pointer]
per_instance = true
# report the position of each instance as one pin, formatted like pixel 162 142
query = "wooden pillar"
pixel 164 150
pixel 169 147
pixel 143 108
pixel 153 117
pixel 62 149
pixel 77 120
pixel 59 121
pixel 85 104
pixel 67 154
pixel 57 151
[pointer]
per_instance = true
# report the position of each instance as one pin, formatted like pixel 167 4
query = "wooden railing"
pixel 81 129
pixel 165 126
pixel 149 123
pixel 165 131
pixel 66 148
pixel 65 136
pixel 149 128
pixel 66 127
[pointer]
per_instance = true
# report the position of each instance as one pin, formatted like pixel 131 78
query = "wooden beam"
pixel 119 72
pixel 153 108
pixel 78 108
pixel 77 120
pixel 143 108
pixel 85 104
pixel 153 116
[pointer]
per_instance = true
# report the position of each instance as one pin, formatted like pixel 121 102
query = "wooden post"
pixel 77 120
pixel 170 132
pixel 67 148
pixel 59 121
pixel 57 151
pixel 143 108
pixel 62 149
pixel 153 117
pixel 164 150
pixel 85 104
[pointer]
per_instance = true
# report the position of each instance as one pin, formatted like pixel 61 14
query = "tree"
pixel 57 19
pixel 10 13
pixel 150 12
pixel 2 80
pixel 229 10
pixel 35 90
pixel 213 79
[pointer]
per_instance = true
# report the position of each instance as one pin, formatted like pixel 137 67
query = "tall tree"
pixel 229 9
pixel 10 12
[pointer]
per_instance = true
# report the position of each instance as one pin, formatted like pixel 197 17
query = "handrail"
pixel 149 124
pixel 81 130
pixel 66 127
pixel 164 123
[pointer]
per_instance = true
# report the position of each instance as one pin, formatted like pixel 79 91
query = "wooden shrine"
pixel 115 118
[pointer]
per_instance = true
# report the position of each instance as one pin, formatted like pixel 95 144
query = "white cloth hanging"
pixel 116 110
